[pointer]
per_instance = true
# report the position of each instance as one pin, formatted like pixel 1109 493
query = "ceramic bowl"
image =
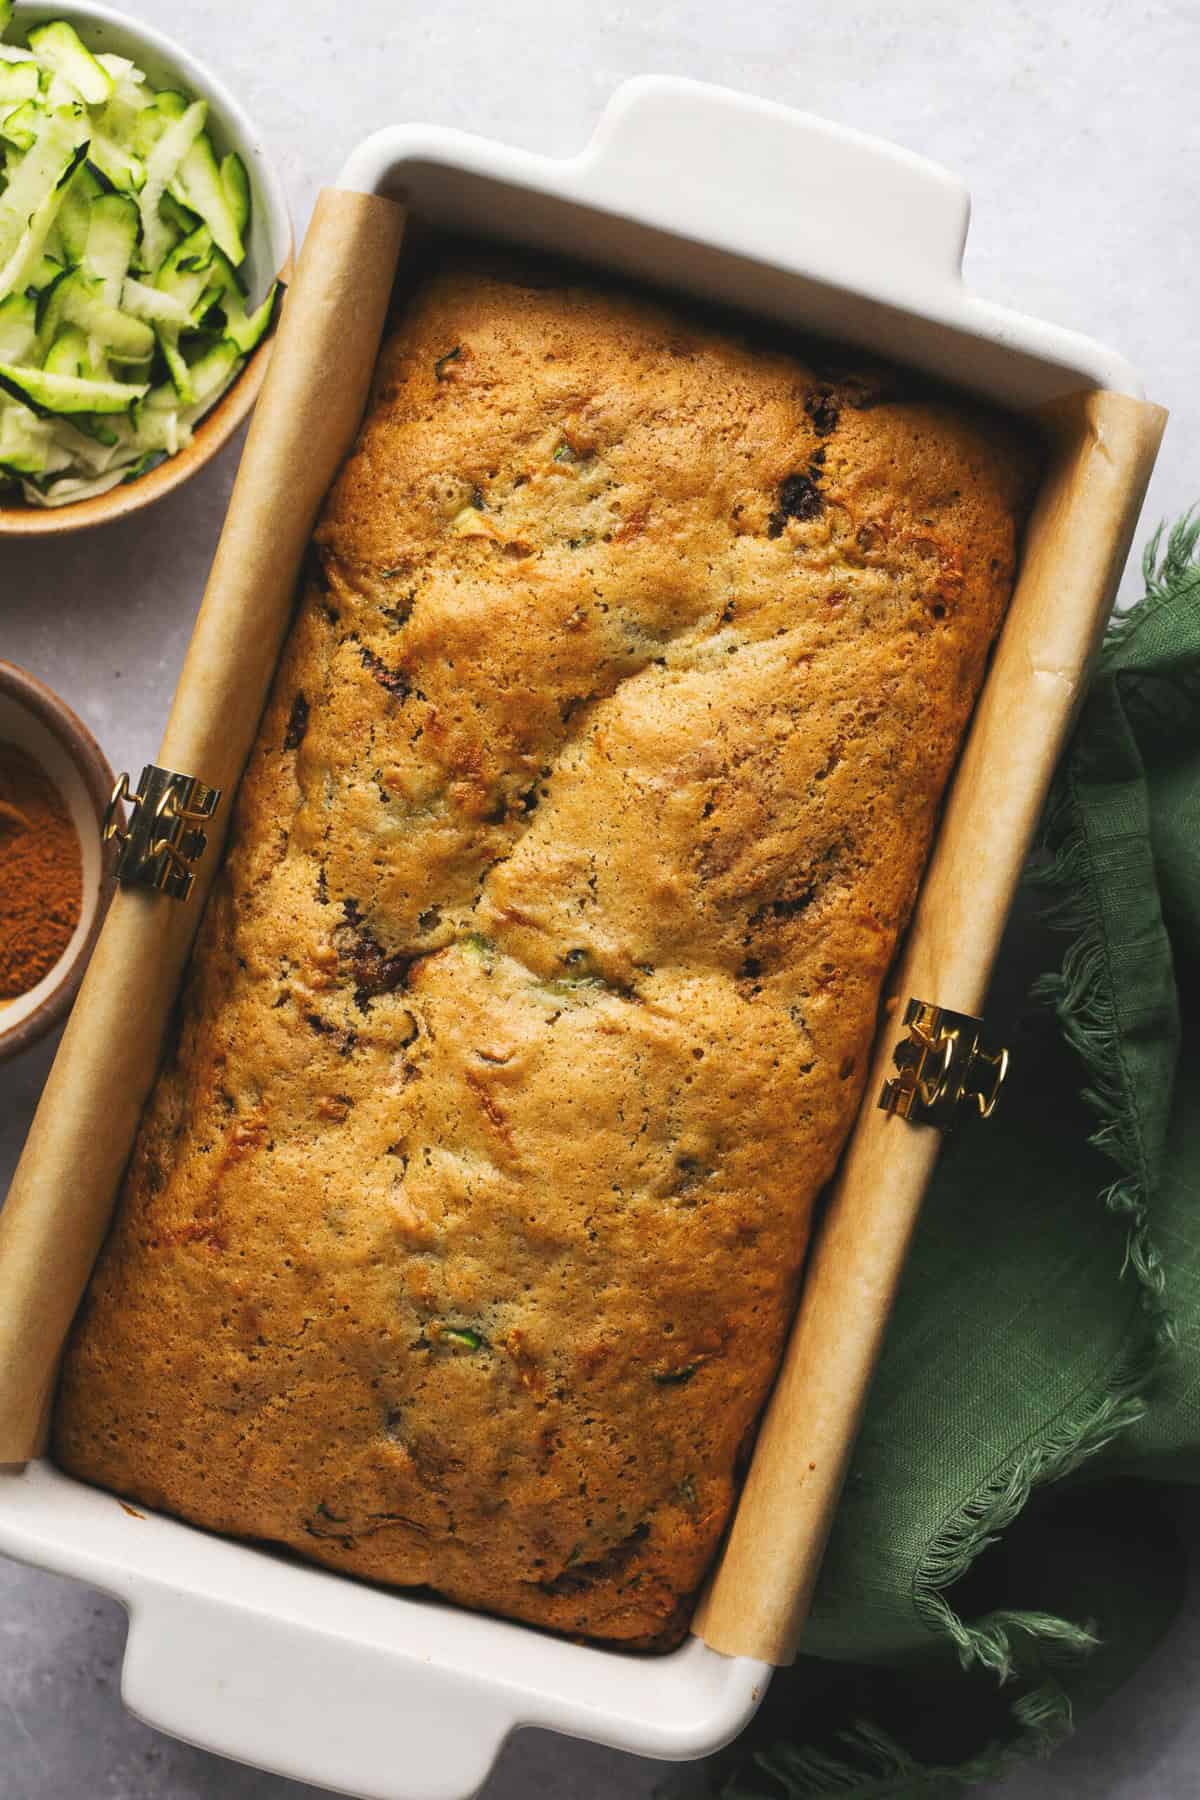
pixel 269 253
pixel 37 722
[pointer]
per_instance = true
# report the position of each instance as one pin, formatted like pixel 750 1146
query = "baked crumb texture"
pixel 532 1007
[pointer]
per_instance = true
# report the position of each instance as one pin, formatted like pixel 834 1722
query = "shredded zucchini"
pixel 123 309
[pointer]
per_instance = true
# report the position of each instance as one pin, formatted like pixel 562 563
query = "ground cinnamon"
pixel 41 873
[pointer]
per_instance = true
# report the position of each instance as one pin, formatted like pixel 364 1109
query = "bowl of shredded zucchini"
pixel 144 248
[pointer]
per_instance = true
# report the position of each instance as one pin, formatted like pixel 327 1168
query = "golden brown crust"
pixel 533 1004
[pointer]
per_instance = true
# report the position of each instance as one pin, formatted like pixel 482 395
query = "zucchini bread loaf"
pixel 533 1003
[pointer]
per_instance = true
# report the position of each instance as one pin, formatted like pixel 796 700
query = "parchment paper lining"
pixel 60 1202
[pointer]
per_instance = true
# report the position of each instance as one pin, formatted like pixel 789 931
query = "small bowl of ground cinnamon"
pixel 55 871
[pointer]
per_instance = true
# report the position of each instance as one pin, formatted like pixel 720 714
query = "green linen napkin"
pixel 1000 1560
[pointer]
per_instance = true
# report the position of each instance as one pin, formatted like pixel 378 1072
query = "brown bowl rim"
pixel 213 431
pixel 90 760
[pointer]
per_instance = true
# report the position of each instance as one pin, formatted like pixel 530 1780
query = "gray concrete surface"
pixel 1075 124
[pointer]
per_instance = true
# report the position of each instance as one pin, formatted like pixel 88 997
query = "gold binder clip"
pixel 162 839
pixel 942 1068
pixel 114 829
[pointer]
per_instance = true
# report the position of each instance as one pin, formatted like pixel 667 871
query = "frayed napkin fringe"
pixel 1015 1644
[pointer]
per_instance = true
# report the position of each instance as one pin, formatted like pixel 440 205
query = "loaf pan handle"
pixel 779 186
pixel 365 1719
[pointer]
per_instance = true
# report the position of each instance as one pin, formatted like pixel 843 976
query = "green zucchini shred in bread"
pixel 534 1001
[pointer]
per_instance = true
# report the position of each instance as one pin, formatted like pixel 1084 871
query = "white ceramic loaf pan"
pixel 301 1671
